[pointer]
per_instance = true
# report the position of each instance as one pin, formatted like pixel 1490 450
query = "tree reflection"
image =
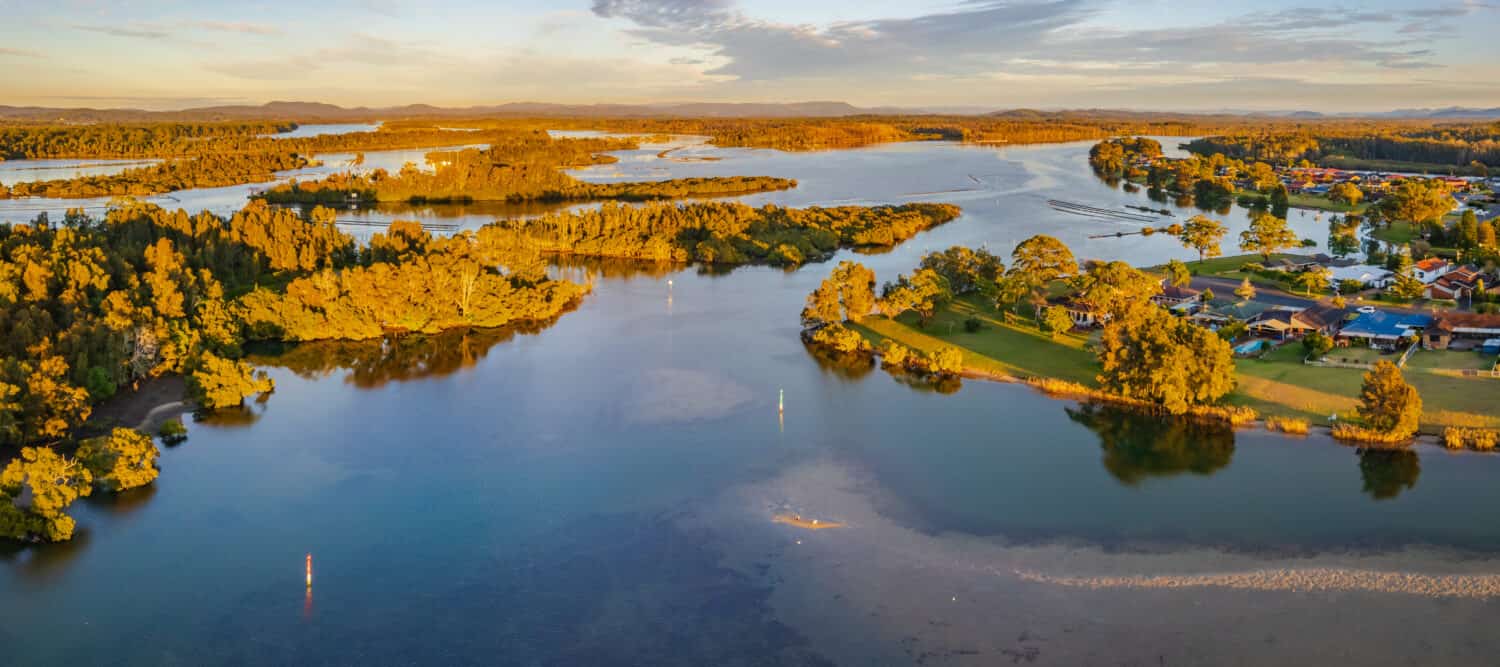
pixel 1388 472
pixel 942 384
pixel 846 366
pixel 1138 447
pixel 373 363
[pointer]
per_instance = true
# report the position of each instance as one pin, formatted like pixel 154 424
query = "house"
pixel 1455 284
pixel 1224 313
pixel 1369 276
pixel 1286 323
pixel 1293 264
pixel 1430 269
pixel 1384 328
pixel 1461 330
pixel 1084 315
pixel 1172 295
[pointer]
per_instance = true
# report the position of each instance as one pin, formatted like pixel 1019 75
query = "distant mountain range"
pixel 317 111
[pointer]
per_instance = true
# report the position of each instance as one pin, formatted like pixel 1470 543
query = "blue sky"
pixel 1147 54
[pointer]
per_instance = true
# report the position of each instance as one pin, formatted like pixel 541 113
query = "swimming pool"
pixel 1250 347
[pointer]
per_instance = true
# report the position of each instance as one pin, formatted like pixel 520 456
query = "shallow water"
pixel 601 492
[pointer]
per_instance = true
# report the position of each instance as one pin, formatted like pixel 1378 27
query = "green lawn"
pixel 1231 264
pixel 1277 384
pixel 1440 360
pixel 998 348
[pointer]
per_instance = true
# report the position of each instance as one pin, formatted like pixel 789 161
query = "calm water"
pixel 557 497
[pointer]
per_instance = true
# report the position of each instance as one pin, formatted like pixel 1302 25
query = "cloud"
pixel 240 27
pixel 18 53
pixel 179 29
pixel 137 30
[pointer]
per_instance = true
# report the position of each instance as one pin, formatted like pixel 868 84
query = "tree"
pixel 1245 291
pixel 1178 274
pixel 1055 320
pixel 1418 201
pixel 1035 264
pixel 1116 287
pixel 1166 360
pixel 35 489
pixel 222 383
pixel 924 292
pixel 1467 231
pixel 1317 343
pixel 1203 234
pixel 1268 235
pixel 1347 193
pixel 1314 280
pixel 124 459
pixel 1387 403
pixel 1406 286
pixel 966 270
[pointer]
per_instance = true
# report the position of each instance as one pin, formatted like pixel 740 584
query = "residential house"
pixel 1286 323
pixel 1369 276
pixel 1456 284
pixel 1461 330
pixel 1221 314
pixel 1172 295
pixel 1383 328
pixel 1084 315
pixel 1294 264
pixel 1430 269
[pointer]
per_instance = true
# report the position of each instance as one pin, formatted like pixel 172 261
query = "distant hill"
pixel 307 112
pixel 317 111
pixel 1448 112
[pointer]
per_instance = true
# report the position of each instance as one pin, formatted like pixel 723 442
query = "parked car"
pixel 1367 309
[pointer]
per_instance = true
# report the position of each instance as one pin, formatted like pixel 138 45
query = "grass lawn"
pixel 1360 355
pixel 1277 384
pixel 1217 266
pixel 1396 232
pixel 1001 348
pixel 1441 360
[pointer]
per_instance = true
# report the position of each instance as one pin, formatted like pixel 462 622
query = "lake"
pixel 601 492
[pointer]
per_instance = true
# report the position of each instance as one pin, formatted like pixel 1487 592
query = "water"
pixel 17 171
pixel 600 492
pixel 320 129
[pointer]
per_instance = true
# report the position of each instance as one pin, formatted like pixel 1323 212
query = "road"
pixel 1225 287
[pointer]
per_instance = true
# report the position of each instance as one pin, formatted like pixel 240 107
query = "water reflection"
pixel 849 367
pixel 44 563
pixel 374 363
pixel 122 503
pixel 1138 447
pixel 241 416
pixel 1388 472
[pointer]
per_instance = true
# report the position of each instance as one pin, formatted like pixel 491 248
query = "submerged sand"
pixel 877 591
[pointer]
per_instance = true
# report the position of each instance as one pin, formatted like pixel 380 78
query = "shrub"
pixel 1470 438
pixel 895 354
pixel 1358 434
pixel 172 432
pixel 1317 344
pixel 973 324
pixel 1292 425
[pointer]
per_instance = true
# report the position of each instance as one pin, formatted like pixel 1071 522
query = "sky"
pixel 982 54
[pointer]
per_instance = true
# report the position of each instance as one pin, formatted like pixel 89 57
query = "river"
pixel 602 491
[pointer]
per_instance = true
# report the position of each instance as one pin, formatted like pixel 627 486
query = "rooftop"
pixel 1385 324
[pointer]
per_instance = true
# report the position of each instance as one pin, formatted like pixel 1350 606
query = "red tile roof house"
pixel 1430 269
pixel 1461 330
pixel 1454 285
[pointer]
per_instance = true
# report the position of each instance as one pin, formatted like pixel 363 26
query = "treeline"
pixel 515 174
pixel 153 140
pixel 235 156
pixel 717 233
pixel 206 171
pixel 87 306
pixel 1455 146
